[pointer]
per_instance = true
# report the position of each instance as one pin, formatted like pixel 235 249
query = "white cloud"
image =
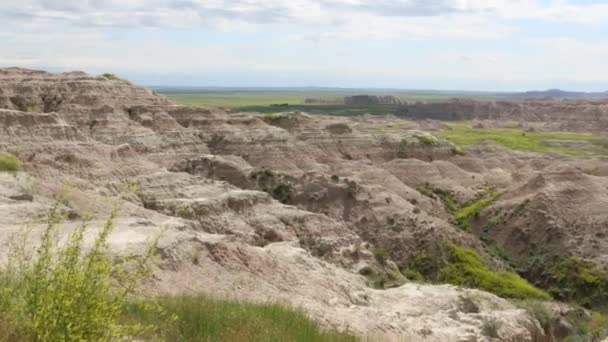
pixel 485 38
pixel 194 13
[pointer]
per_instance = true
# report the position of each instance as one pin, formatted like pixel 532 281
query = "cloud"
pixel 148 13
pixel 341 39
pixel 210 13
pixel 411 8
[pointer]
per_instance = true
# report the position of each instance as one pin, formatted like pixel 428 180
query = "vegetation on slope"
pixel 271 117
pixel 463 134
pixel 274 184
pixel 68 293
pixel 110 76
pixel 446 197
pixel 567 278
pixel 9 163
pixel 464 267
pixel 581 324
pixel 472 209
pixel 570 279
pixel 465 212
pixel 200 318
pixel 71 292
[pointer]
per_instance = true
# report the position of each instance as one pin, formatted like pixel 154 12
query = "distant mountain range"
pixel 401 93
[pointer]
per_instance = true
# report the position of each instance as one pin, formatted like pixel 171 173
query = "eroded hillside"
pixel 344 217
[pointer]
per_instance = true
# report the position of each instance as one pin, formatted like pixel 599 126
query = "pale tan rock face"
pixel 189 173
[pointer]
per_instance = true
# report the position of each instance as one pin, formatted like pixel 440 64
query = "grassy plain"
pixel 239 99
pixel 275 102
pixel 236 98
pixel 568 143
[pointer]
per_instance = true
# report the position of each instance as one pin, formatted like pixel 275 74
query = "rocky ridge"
pixel 290 208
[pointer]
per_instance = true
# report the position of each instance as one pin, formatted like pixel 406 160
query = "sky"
pixel 492 45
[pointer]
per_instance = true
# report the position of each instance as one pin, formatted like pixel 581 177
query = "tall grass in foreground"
pixel 200 318
pixel 72 292
pixel 66 292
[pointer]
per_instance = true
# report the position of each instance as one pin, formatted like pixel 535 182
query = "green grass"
pixel 463 134
pixel 233 98
pixel 464 267
pixel 240 99
pixel 337 109
pixel 66 292
pixel 276 102
pixel 446 197
pixel 464 214
pixel 9 163
pixel 200 318
pixel 568 278
pixel 580 280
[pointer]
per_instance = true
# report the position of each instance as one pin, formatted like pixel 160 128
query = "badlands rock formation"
pixel 288 208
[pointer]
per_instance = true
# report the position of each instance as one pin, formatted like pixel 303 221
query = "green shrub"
pixel 68 293
pixel 520 208
pixel 385 280
pixel 185 212
pixel 464 267
pixel 200 318
pixel 380 255
pixel 110 76
pixel 568 278
pixel 584 326
pixel 472 209
pixel 413 275
pixel 578 280
pixel 446 197
pixel 426 140
pixel 458 151
pixel 541 313
pixel 424 264
pixel 9 163
pixel 484 235
pixel 339 128
pixel 402 150
pixel 276 185
pixel 272 117
pixel 31 107
pixel 490 327
pixel 596 328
